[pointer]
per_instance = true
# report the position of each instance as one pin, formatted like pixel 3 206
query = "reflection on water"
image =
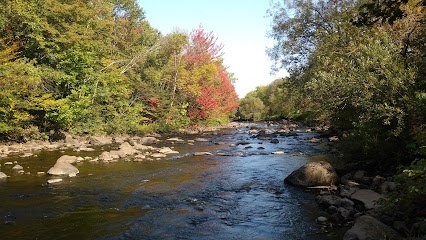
pixel 182 197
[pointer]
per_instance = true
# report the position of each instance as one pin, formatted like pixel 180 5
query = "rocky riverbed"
pixel 226 180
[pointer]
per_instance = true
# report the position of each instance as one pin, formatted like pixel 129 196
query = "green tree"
pixel 251 108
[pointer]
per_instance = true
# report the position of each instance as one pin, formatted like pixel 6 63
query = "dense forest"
pixel 97 66
pixel 359 67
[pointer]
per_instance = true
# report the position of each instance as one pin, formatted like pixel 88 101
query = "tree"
pixel 251 108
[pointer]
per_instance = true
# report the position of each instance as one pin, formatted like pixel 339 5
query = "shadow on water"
pixel 182 197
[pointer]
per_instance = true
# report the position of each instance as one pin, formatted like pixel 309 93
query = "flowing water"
pixel 181 197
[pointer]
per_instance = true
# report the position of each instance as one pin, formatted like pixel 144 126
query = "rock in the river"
pixel 127 149
pixel 143 147
pixel 313 174
pixel 314 140
pixel 201 140
pixel 17 167
pixel 105 156
pixel 167 150
pixel 369 228
pixel 148 140
pixel 100 140
pixel 56 180
pixel 2 175
pixel 175 139
pixel 366 196
pixel 158 155
pixel 63 168
pixel 67 159
pixel 202 154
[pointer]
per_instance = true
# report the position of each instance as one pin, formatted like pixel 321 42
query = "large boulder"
pixel 369 228
pixel 313 174
pixel 63 168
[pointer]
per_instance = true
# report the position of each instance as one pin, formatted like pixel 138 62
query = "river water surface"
pixel 181 197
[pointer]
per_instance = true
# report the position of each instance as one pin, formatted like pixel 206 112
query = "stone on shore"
pixel 313 174
pixel 369 228
pixel 367 197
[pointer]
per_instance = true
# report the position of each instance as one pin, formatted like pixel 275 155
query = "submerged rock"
pixel 2 175
pixel 313 174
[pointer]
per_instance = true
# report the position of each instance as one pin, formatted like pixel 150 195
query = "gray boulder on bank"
pixel 313 174
pixel 369 228
pixel 367 197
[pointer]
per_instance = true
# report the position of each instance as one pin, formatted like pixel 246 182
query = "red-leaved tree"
pixel 208 85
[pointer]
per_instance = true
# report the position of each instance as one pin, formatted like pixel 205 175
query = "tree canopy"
pixel 98 66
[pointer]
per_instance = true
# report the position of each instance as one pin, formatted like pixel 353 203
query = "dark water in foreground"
pixel 181 197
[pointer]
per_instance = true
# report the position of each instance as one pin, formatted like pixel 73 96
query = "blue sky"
pixel 240 25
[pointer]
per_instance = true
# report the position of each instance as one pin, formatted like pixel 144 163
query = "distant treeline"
pixel 97 66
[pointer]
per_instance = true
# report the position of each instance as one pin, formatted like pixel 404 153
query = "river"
pixel 181 197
